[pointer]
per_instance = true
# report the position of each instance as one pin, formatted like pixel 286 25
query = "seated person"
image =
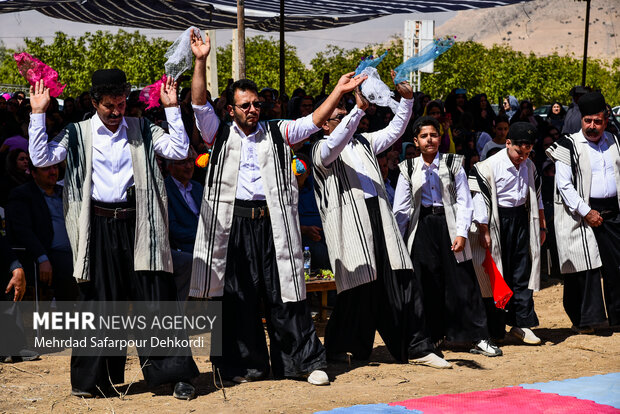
pixel 310 220
pixel 184 197
pixel 13 283
pixel 35 220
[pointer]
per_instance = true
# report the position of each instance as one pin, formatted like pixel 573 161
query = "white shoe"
pixel 318 377
pixel 487 348
pixel 431 360
pixel 526 335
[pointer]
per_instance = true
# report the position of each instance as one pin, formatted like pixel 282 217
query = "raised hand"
pixel 404 89
pixel 39 98
pixel 200 48
pixel 168 93
pixel 361 101
pixel 348 82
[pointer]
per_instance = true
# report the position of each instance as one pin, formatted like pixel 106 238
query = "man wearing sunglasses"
pixel 376 286
pixel 248 246
pixel 587 223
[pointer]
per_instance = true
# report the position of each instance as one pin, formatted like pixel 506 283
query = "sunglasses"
pixel 337 118
pixel 246 106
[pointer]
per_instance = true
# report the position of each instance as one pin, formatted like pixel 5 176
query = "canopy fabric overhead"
pixel 263 15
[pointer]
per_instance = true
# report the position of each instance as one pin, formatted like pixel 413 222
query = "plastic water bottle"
pixel 307 261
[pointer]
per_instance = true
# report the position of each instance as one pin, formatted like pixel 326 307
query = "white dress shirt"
pixel 603 178
pixel 186 193
pixel 511 185
pixel 431 196
pixel 340 140
pixel 112 165
pixel 249 180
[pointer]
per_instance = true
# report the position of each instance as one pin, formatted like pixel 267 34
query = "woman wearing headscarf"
pixel 407 153
pixel 556 115
pixel 482 112
pixel 511 105
pixel 435 109
pixel 16 173
pixel 456 104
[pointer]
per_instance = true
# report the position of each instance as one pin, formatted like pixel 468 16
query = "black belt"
pixel 120 211
pixel 251 212
pixel 432 210
pixel 117 213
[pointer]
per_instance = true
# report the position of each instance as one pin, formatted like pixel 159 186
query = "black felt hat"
pixel 109 77
pixel 592 103
pixel 522 132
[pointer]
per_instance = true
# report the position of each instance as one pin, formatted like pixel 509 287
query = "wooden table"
pixel 323 286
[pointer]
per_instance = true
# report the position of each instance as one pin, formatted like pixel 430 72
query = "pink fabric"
pixel 506 400
pixel 150 94
pixel 34 70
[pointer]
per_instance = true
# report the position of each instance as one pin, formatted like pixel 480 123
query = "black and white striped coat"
pixel 482 180
pixel 216 212
pixel 577 247
pixel 449 166
pixel 346 223
pixel 152 247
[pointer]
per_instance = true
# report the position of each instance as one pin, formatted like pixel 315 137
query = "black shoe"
pixel 184 391
pixel 99 391
pixel 82 394
pixel 23 355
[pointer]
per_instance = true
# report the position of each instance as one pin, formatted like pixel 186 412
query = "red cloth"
pixel 501 291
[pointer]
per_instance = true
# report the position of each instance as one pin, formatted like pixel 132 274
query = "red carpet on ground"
pixel 506 400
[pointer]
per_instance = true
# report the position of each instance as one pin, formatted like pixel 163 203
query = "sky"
pixel 15 26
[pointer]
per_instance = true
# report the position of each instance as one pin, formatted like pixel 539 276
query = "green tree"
pixel 262 64
pixel 499 71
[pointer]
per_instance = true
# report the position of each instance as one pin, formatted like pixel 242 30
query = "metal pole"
pixel 241 37
pixel 585 45
pixel 282 74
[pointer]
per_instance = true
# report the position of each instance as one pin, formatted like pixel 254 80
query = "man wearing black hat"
pixel 115 213
pixel 587 223
pixel 509 220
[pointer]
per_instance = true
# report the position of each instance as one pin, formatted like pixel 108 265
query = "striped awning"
pixel 261 15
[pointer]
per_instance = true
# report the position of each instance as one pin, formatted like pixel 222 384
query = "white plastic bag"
pixel 180 55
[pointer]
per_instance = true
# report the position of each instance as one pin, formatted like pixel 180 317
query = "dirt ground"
pixel 43 386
